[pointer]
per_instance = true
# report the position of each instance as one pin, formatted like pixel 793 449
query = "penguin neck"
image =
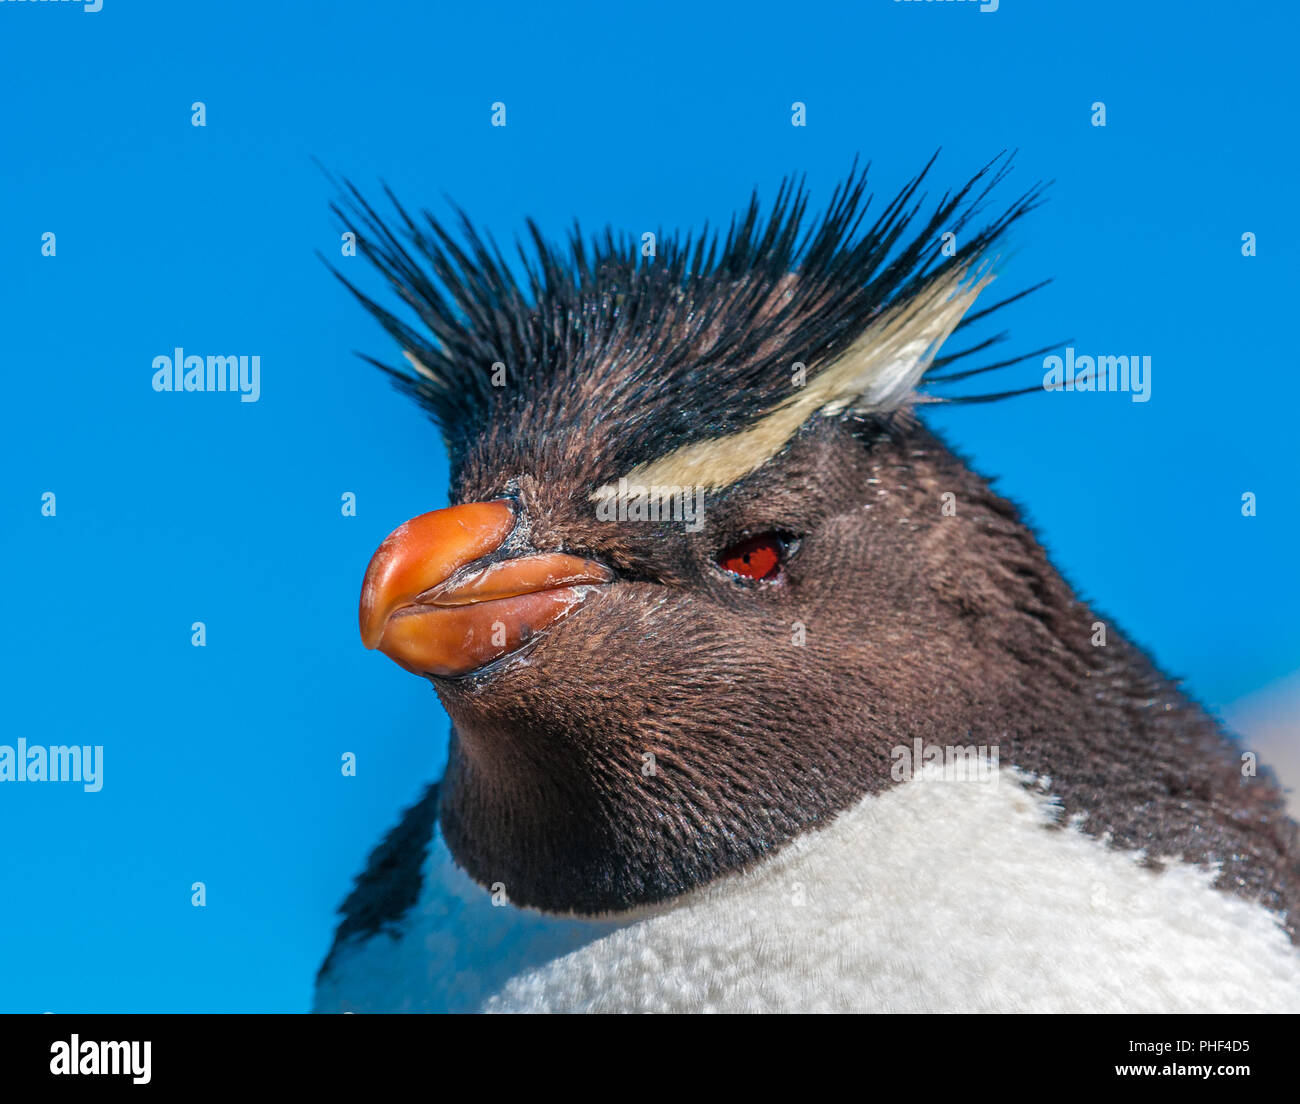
pixel 1128 758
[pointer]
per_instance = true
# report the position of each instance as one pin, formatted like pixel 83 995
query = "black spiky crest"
pixel 655 353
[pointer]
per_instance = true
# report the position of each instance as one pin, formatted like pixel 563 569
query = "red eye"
pixel 756 558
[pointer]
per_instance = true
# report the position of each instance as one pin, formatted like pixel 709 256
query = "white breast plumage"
pixel 933 896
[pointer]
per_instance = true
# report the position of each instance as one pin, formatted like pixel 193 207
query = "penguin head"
pixel 703 567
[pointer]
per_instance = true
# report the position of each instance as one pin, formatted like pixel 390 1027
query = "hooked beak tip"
pixel 431 607
pixel 424 551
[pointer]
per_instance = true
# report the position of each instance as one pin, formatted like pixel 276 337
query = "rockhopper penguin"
pixel 761 698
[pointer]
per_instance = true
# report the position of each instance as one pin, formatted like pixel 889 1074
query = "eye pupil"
pixel 756 558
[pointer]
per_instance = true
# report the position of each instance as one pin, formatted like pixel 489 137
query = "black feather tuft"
pixel 695 342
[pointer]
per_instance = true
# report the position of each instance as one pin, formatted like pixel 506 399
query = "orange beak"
pixel 440 599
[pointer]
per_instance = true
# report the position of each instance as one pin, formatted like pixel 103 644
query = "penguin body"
pixel 693 607
pixel 935 896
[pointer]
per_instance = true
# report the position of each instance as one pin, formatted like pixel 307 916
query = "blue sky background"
pixel 222 763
